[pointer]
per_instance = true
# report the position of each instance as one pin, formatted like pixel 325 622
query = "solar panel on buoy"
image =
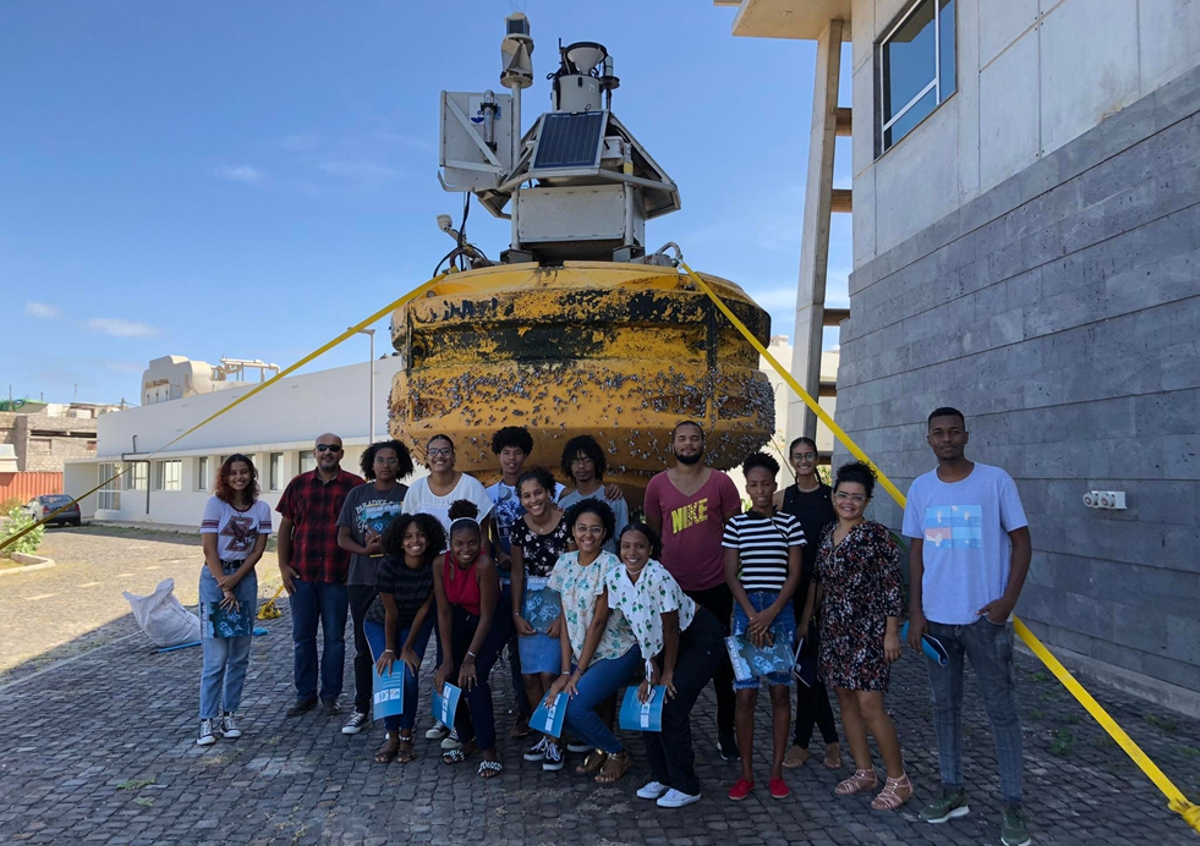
pixel 569 140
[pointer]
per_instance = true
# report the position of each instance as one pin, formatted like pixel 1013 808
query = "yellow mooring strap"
pixel 1177 802
pixel 379 315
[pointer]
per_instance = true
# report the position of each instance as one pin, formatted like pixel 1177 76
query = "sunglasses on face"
pixel 328 448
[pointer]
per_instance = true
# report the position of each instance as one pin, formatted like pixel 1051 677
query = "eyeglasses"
pixel 591 530
pixel 328 448
pixel 843 496
pixel 388 462
pixel 804 456
pixel 436 452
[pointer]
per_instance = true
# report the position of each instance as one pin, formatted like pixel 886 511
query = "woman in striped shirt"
pixel 762 568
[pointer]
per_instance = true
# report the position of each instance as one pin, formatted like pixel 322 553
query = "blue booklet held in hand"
pixel 227 622
pixel 550 720
pixel 930 645
pixel 751 662
pixel 446 704
pixel 387 693
pixel 637 715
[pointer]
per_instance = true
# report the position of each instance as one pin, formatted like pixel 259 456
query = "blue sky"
pixel 247 179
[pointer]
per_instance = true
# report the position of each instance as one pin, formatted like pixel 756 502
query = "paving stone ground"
pixel 97 731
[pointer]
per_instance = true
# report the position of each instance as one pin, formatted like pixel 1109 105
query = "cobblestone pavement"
pixel 99 748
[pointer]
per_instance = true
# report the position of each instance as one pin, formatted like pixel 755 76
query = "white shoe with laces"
pixel 452 741
pixel 206 737
pixel 554 757
pixel 538 751
pixel 653 790
pixel 578 747
pixel 358 721
pixel 229 727
pixel 438 731
pixel 676 799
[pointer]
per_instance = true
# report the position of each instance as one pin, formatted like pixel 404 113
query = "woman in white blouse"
pixel 682 644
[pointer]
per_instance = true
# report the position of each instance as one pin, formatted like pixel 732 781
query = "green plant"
pixel 27 543
pixel 1039 676
pixel 1166 725
pixel 1063 743
pixel 136 783
pixel 1190 751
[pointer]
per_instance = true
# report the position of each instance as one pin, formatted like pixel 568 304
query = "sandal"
pixel 457 756
pixel 405 753
pixel 614 768
pixel 387 752
pixel 895 793
pixel 795 757
pixel 490 769
pixel 592 762
pixel 861 780
pixel 833 756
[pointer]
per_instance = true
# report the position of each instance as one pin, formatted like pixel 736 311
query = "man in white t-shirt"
pixel 968 556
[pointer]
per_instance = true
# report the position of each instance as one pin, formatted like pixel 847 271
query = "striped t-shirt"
pixel 762 544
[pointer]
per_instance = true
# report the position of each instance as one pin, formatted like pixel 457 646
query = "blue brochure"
pixel 550 720
pixel 752 662
pixel 445 705
pixel 387 693
pixel 930 645
pixel 643 716
pixel 227 622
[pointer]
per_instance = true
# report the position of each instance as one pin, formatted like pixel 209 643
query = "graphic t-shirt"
pixel 507 510
pixel 762 544
pixel 421 500
pixel 619 507
pixel 692 527
pixel 967 552
pixel 367 509
pixel 236 531
pixel 579 587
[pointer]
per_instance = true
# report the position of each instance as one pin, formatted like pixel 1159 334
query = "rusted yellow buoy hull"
pixel 618 351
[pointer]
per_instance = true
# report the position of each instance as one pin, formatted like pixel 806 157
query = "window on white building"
pixel 136 479
pixel 203 473
pixel 276 476
pixel 109 495
pixel 168 475
pixel 307 461
pixel 915 58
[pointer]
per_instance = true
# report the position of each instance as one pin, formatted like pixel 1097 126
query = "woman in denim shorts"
pixel 762 567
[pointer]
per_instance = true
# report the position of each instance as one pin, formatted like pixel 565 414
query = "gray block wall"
pixel 1061 312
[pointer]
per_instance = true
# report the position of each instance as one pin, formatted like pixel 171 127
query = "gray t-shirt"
pixel 619 508
pixel 366 508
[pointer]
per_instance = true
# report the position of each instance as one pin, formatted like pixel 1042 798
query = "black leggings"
pixel 812 703
pixel 361 597
pixel 719 602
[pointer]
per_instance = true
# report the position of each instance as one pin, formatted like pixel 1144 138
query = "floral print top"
pixel 643 603
pixel 580 586
pixel 540 552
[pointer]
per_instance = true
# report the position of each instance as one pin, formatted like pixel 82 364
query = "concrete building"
pixel 44 434
pixel 275 428
pixel 1026 226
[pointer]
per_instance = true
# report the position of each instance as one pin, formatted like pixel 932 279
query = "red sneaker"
pixel 779 789
pixel 740 790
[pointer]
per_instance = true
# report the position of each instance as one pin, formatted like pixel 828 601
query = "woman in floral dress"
pixel 857 584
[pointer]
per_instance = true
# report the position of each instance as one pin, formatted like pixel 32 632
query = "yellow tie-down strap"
pixel 319 351
pixel 1177 802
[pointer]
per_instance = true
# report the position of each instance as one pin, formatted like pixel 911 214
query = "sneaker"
pixel 554 757
pixel 206 738
pixel 538 751
pixel 779 788
pixel 676 799
pixel 438 731
pixel 578 747
pixel 740 790
pixel 301 706
pixel 229 727
pixel 728 747
pixel 950 805
pixel 357 723
pixel 1012 827
pixel 330 707
pixel 452 741
pixel 653 790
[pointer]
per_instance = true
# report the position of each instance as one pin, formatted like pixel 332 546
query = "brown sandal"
pixel 895 793
pixel 592 762
pixel 795 757
pixel 833 756
pixel 405 753
pixel 387 752
pixel 861 780
pixel 614 768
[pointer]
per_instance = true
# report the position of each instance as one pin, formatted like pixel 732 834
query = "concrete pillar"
pixel 814 248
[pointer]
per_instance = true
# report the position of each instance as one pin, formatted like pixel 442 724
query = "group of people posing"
pixel 589 603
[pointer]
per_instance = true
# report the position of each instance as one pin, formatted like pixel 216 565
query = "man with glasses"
pixel 314 570
pixel 584 464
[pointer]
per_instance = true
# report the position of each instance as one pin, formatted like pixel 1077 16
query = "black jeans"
pixel 669 752
pixel 361 597
pixel 475 719
pixel 719 601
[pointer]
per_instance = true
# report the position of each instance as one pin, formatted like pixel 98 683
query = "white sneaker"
pixel 438 731
pixel 229 727
pixel 206 738
pixel 357 723
pixel 578 747
pixel 554 757
pixel 676 799
pixel 538 751
pixel 653 790
pixel 452 741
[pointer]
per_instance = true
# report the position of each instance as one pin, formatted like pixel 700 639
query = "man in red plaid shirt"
pixel 314 573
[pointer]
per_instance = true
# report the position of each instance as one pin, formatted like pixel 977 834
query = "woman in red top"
pixel 467 587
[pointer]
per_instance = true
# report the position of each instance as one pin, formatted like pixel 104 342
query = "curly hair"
pixel 223 491
pixel 512 436
pixel 463 514
pixel 592 505
pixel 435 536
pixel 856 472
pixel 586 446
pixel 650 535
pixel 540 475
pixel 367 462
pixel 760 459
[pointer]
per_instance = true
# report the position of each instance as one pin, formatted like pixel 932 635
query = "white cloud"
pixel 358 171
pixel 238 173
pixel 43 310
pixel 120 328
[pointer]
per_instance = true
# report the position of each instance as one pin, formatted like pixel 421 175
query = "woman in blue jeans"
pixel 234 529
pixel 599 651
pixel 400 619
